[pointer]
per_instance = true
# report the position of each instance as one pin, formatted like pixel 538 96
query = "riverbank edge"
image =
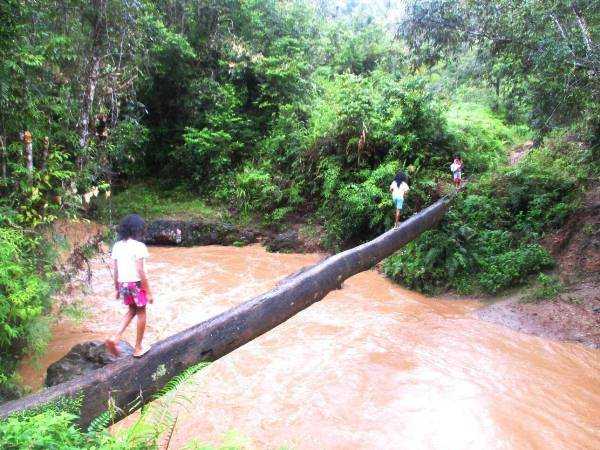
pixel 572 316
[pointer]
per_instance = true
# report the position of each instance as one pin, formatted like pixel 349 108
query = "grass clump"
pixel 547 287
pixel 152 202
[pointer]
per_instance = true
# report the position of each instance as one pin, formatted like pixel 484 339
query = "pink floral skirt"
pixel 133 294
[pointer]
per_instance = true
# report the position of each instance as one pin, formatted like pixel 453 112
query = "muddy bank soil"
pixel 575 314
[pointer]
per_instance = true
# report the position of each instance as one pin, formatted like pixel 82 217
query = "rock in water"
pixel 284 242
pixel 82 359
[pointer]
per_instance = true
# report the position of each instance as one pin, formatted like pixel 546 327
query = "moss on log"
pixel 127 381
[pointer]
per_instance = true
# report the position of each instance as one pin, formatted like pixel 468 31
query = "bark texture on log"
pixel 125 381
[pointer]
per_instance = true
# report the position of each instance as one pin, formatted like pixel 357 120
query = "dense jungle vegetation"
pixel 279 111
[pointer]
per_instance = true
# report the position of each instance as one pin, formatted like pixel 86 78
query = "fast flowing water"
pixel 370 366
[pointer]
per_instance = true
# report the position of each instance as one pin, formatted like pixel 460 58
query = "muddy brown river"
pixel 372 366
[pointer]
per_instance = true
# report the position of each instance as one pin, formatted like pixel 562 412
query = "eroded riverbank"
pixel 370 366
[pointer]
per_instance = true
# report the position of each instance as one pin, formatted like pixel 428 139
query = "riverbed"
pixel 370 366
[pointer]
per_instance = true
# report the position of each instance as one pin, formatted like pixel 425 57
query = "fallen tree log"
pixel 132 381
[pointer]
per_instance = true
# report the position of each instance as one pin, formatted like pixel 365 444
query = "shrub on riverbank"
pixel 54 426
pixel 26 281
pixel 52 429
pixel 152 201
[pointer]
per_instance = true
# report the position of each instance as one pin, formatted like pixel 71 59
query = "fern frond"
pixel 101 422
pixel 158 418
pixel 175 382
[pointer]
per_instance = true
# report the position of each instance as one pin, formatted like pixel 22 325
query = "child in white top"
pixel 128 255
pixel 399 188
pixel 456 169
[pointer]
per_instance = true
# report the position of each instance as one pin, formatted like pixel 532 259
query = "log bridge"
pixel 133 381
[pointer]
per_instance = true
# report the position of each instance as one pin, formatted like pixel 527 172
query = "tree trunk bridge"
pixel 127 381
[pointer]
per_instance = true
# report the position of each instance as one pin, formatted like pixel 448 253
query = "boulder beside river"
pixel 82 359
pixel 190 233
pixel 287 241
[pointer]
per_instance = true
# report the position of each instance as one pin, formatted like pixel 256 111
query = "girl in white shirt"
pixel 128 255
pixel 399 188
pixel 456 169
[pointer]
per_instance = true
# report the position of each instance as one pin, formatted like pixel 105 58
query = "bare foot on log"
pixel 139 352
pixel 111 345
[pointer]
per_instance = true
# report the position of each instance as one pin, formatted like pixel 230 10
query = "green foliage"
pixel 54 425
pixel 509 268
pixel 359 208
pixel 541 53
pixel 287 109
pixel 127 147
pixel 480 135
pixel 404 129
pixel 26 281
pixel 208 153
pixel 159 418
pixel 47 430
pixel 341 151
pixel 40 197
pixel 254 189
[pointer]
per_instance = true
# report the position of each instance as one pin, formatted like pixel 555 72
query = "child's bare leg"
pixel 397 218
pixel 114 340
pixel 141 328
pixel 125 323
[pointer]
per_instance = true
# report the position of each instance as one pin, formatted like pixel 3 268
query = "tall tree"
pixel 547 48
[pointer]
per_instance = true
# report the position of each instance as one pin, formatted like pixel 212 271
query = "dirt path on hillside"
pixel 519 152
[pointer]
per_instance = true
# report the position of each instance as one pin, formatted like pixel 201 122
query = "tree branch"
pixel 585 32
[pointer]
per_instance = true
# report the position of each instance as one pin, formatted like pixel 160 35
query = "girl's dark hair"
pixel 131 226
pixel 400 177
